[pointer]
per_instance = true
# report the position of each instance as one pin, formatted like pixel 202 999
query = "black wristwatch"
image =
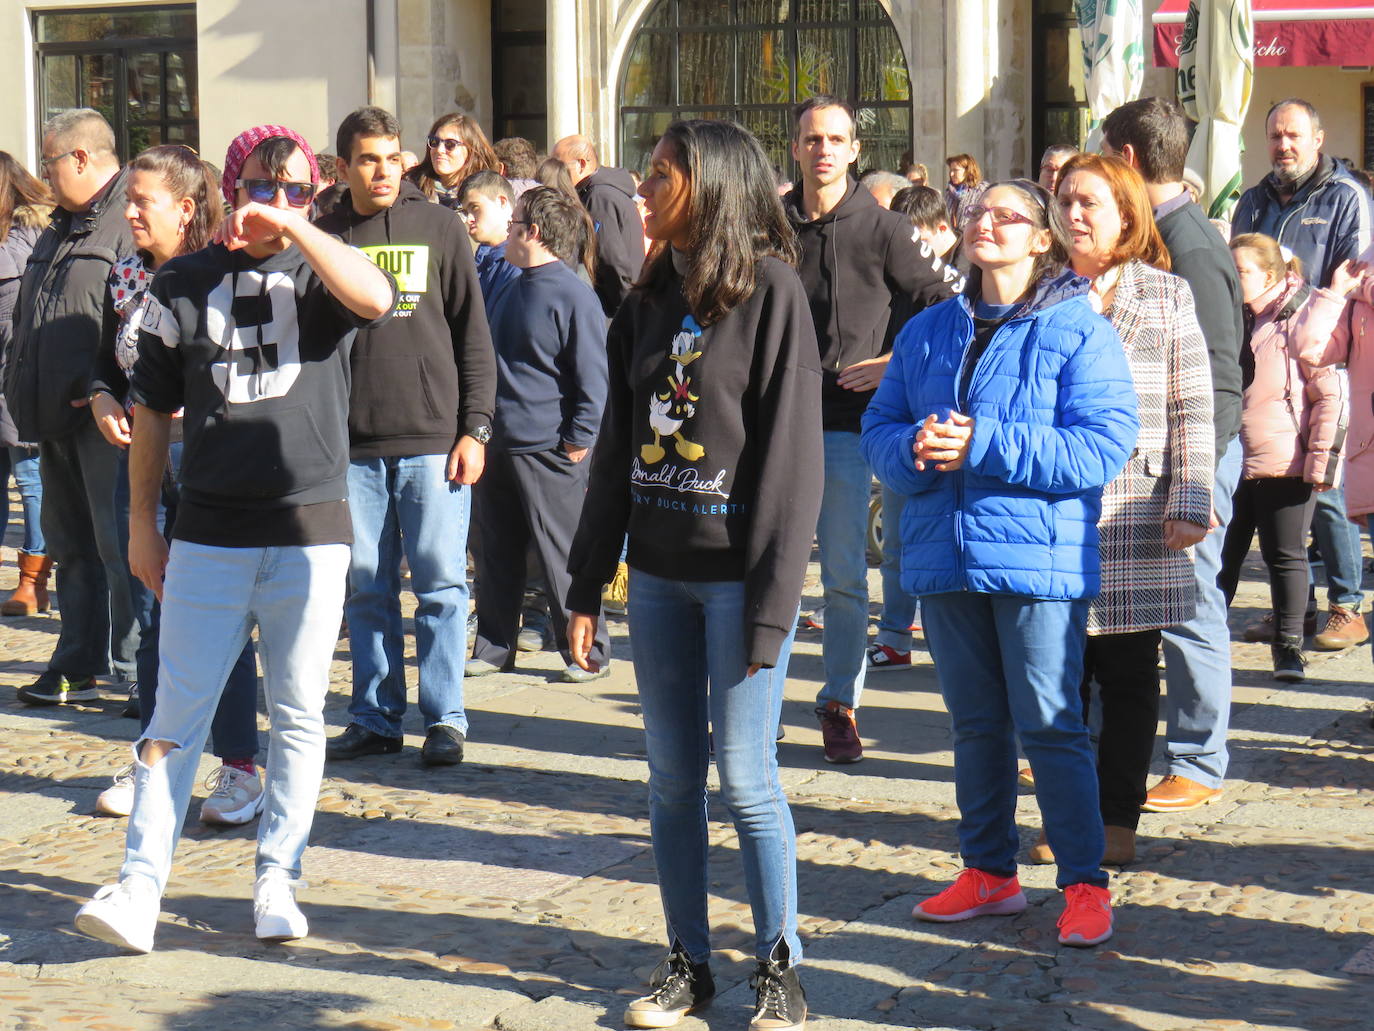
pixel 481 434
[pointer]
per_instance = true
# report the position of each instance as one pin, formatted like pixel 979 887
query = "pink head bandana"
pixel 246 142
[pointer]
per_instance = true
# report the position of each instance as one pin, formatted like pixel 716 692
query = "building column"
pixel 972 51
pixel 564 94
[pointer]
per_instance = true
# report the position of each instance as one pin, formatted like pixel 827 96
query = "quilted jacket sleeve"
pixel 1093 436
pixel 889 424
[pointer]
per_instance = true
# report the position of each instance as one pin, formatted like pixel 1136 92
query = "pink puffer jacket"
pixel 1289 413
pixel 1332 330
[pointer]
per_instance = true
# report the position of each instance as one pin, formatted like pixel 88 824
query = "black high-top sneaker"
pixel 781 1003
pixel 678 987
pixel 1289 662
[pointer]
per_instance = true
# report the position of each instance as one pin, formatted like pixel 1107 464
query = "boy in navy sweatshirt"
pixel 486 203
pixel 550 339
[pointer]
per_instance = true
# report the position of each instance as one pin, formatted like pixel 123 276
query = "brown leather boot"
pixel 31 596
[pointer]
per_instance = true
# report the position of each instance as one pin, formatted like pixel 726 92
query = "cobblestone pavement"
pixel 516 892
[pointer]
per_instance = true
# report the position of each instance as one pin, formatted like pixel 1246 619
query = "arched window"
pixel 751 60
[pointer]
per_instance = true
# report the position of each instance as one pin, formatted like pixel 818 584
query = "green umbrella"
pixel 1113 33
pixel 1216 68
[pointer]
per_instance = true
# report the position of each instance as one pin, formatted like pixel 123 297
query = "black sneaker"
pixel 678 987
pixel 54 688
pixel 443 746
pixel 1289 662
pixel 781 1004
pixel 133 706
pixel 357 741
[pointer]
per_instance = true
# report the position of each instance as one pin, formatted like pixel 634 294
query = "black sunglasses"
pixel 264 191
pixel 439 143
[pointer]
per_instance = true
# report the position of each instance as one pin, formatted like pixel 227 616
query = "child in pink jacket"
pixel 1288 424
pixel 1337 325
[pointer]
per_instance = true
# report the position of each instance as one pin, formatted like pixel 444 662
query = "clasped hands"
pixel 944 444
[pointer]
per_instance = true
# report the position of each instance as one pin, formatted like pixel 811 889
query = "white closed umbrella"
pixel 1113 33
pixel 1216 70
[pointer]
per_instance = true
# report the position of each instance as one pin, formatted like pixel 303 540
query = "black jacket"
pixel 608 195
pixel 427 376
pixel 1203 260
pixel 864 277
pixel 25 227
pixel 709 453
pixel 58 315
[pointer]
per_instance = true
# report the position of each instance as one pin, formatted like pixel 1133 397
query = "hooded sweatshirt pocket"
pixel 249 456
pixel 409 408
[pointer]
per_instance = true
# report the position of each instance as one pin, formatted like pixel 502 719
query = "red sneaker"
pixel 1087 918
pixel 975 893
pixel 881 657
pixel 840 734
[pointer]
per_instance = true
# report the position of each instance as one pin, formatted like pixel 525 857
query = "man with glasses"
pixel 864 276
pixel 608 194
pixel 418 423
pixel 251 336
pixel 57 332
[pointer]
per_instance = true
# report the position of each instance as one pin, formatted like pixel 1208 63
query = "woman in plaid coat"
pixel 1161 503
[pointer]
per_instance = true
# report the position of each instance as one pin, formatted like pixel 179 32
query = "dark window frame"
pixel 122 49
pixel 673 27
pixel 1367 110
pixel 503 41
pixel 1044 22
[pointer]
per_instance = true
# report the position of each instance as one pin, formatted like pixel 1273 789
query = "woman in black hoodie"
pixel 709 456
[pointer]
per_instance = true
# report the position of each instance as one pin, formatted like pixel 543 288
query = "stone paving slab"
pixel 518 890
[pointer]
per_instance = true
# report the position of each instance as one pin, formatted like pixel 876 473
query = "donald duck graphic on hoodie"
pixel 674 404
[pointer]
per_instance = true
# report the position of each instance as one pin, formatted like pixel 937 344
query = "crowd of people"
pixel 260 397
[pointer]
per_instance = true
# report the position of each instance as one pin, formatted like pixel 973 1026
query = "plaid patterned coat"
pixel 1146 585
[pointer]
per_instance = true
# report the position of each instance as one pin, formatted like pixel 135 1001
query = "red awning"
pixel 1288 33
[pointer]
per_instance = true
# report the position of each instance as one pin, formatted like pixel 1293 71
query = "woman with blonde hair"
pixel 1288 424
pixel 25 206
pixel 456 148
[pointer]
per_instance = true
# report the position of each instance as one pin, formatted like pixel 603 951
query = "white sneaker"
pixel 236 797
pixel 123 914
pixel 118 798
pixel 275 912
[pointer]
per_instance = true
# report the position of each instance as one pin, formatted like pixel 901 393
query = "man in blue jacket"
pixel 1310 204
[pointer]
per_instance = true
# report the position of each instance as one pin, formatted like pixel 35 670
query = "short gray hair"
pixel 83 128
pixel 891 180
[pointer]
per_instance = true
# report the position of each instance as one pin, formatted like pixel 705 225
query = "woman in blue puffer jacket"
pixel 1002 414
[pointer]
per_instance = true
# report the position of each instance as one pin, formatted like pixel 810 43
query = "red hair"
pixel 1139 235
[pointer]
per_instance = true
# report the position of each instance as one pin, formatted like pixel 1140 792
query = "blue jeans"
pixel 405 504
pixel 234 731
pixel 1197 654
pixel 22 463
pixel 99 632
pixel 1012 667
pixel 212 598
pixel 689 644
pixel 1338 544
pixel 899 608
pixel 841 536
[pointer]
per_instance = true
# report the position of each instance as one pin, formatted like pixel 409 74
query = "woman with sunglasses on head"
pixel 457 148
pixel 26 204
pixel 173 208
pixel 708 457
pixel 1160 504
pixel 1002 414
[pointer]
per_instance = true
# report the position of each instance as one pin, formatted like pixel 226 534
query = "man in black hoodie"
pixel 420 409
pixel 608 194
pixel 864 277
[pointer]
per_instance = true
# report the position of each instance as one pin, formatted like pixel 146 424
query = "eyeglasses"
pixel 521 222
pixel 448 146
pixel 1001 217
pixel 49 162
pixel 264 191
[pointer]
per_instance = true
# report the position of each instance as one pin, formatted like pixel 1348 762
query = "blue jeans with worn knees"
pixel 212 599
pixel 1011 667
pixel 690 658
pixel 404 504
pixel 899 608
pixel 1338 544
pixel 23 466
pixel 841 538
pixel 1197 654
pixel 99 631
